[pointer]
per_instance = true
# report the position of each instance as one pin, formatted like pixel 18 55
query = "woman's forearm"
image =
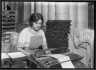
pixel 46 47
pixel 23 51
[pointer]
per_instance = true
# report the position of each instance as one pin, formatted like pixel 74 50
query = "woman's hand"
pixel 28 54
pixel 31 54
pixel 48 52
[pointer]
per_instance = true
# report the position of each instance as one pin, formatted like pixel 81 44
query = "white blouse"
pixel 27 33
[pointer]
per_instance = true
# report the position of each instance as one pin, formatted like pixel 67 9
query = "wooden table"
pixel 75 58
pixel 11 60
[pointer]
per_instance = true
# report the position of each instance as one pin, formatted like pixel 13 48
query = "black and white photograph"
pixel 48 35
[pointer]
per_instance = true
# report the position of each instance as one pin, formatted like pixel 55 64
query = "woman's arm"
pixel 45 47
pixel 45 43
pixel 23 51
pixel 22 42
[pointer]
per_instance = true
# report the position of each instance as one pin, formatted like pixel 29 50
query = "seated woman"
pixel 27 35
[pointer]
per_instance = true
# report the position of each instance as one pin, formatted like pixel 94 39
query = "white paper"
pixel 62 59
pixel 67 65
pixel 4 56
pixel 16 55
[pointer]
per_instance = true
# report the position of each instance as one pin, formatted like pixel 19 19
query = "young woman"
pixel 34 30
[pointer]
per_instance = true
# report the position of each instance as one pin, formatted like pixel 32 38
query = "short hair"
pixel 35 17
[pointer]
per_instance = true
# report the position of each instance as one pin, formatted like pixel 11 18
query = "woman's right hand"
pixel 28 54
pixel 31 54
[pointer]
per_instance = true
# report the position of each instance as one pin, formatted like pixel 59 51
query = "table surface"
pixel 75 58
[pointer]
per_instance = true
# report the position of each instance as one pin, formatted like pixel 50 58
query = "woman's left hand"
pixel 48 52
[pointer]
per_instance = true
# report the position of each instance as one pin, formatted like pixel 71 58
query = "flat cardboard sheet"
pixel 36 41
pixel 16 55
pixel 4 56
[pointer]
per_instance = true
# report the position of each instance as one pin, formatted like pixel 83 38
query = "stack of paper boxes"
pixel 57 34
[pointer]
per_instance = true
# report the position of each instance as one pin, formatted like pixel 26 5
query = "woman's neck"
pixel 32 30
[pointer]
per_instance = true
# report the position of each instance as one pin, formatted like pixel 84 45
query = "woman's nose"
pixel 39 24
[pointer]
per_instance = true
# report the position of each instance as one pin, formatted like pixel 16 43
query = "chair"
pixel 83 44
pixel 10 42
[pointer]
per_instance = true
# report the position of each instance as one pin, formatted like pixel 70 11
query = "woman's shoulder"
pixel 24 30
pixel 41 31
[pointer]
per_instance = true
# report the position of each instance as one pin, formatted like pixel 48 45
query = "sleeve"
pixel 44 41
pixel 22 39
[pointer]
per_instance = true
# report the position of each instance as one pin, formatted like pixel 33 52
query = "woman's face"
pixel 37 25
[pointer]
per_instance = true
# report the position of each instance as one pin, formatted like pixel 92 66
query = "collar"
pixel 33 31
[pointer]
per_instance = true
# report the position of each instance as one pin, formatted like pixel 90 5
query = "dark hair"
pixel 35 17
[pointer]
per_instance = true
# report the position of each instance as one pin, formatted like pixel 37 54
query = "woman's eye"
pixel 36 23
